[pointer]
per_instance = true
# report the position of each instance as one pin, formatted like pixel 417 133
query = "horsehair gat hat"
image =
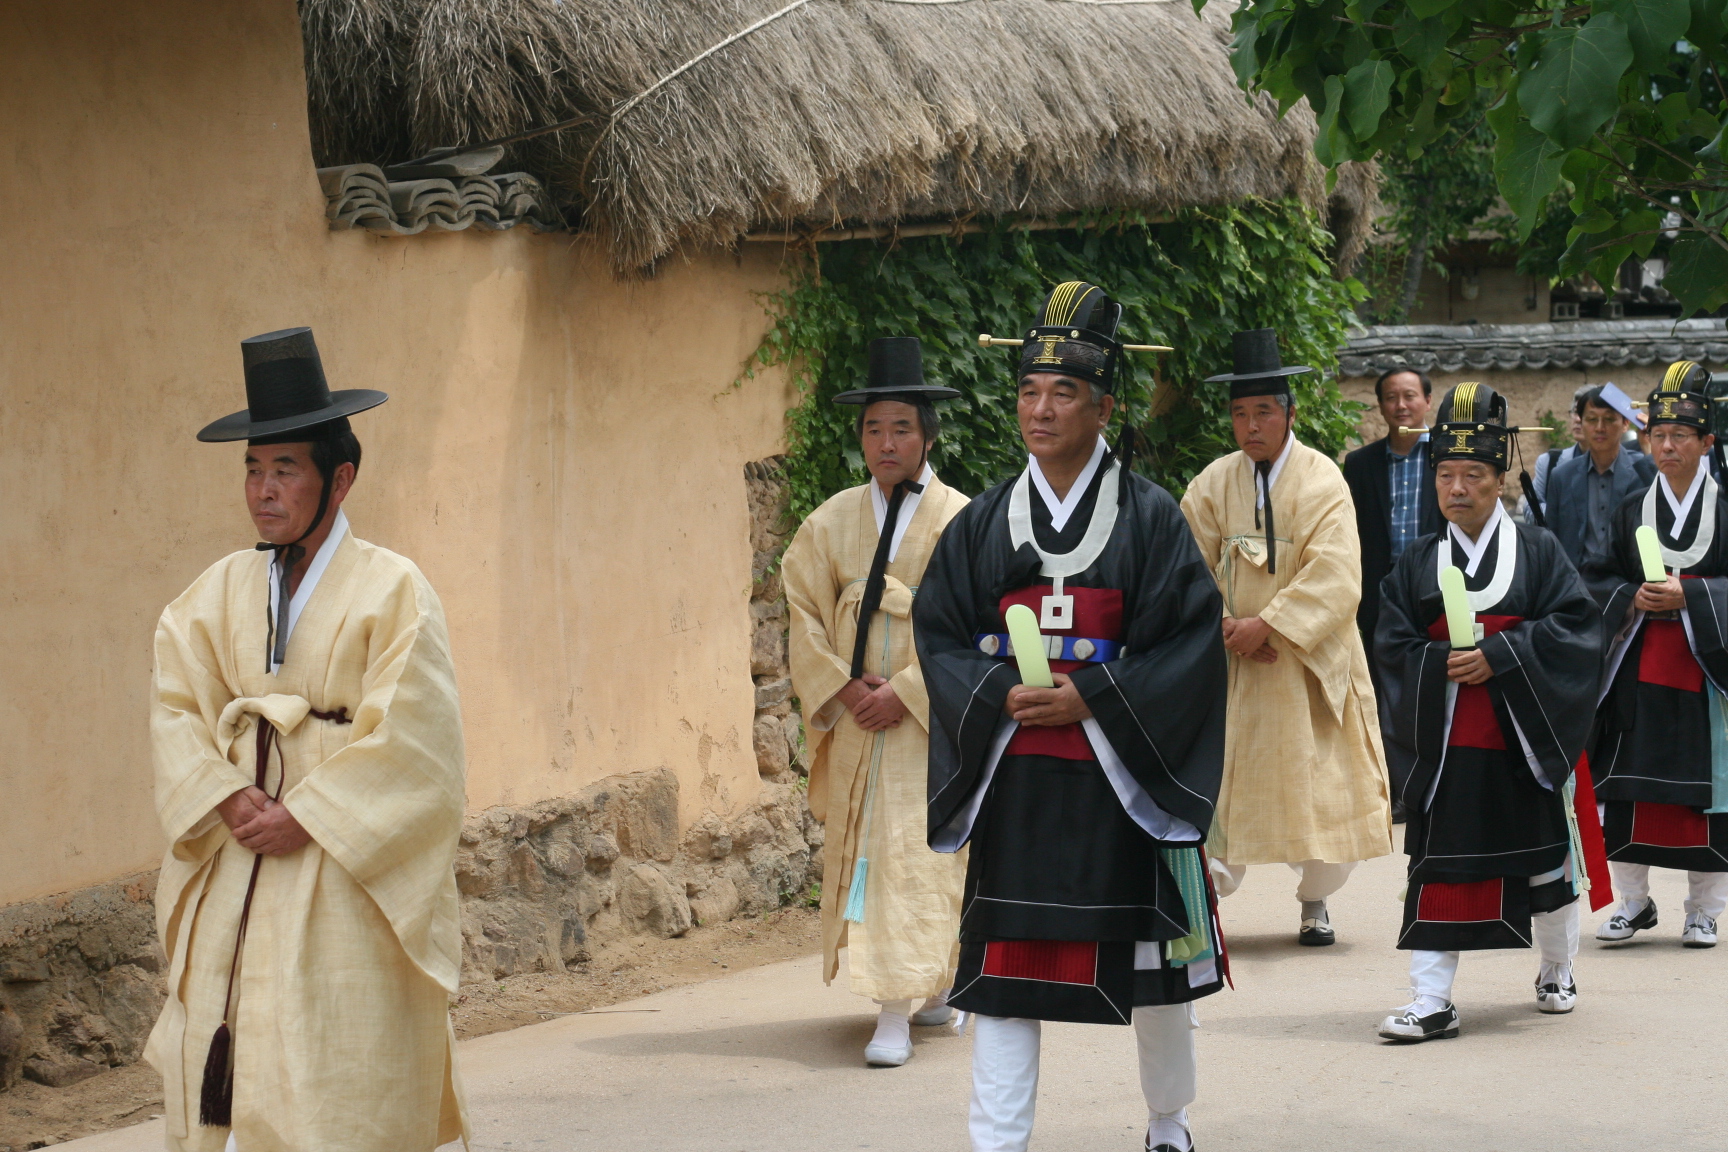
pixel 1471 426
pixel 896 373
pixel 286 390
pixel 1259 368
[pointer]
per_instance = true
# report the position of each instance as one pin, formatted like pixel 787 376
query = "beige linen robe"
pixel 1304 772
pixel 342 1038
pixel 907 944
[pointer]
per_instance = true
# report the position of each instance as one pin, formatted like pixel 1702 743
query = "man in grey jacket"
pixel 1583 492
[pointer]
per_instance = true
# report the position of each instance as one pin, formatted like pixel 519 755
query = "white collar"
pixel 1277 468
pixel 1062 510
pixel 1682 507
pixel 1673 559
pixel 320 561
pixel 1475 549
pixel 1499 525
pixel 908 505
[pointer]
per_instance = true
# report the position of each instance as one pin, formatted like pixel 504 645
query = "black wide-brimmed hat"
pixel 286 390
pixel 1258 368
pixel 896 372
pixel 1471 425
pixel 1075 335
pixel 1682 398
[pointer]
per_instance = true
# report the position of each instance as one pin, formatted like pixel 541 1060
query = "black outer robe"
pixel 1051 832
pixel 1651 752
pixel 1490 819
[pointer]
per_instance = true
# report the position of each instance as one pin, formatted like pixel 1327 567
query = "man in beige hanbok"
pixel 1304 773
pixel 886 897
pixel 309 777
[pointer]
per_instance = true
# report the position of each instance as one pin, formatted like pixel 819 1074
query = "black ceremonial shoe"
pixel 1316 929
pixel 1621 927
pixel 1406 1025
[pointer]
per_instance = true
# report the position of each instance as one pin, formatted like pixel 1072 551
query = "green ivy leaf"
pixel 1573 88
pixel 1527 169
pixel 1367 92
pixel 1653 26
pixel 1697 273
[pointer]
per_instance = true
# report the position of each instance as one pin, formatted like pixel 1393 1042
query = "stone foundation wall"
pixel 81 975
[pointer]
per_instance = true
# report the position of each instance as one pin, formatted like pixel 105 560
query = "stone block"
pixel 652 903
pixel 769 737
pixel 774 694
pixel 768 648
pixel 11 1047
pixel 59 1073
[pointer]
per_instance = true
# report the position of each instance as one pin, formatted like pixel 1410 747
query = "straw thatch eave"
pixel 842 112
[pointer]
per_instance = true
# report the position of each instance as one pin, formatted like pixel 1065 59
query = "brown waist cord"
pixel 216 1099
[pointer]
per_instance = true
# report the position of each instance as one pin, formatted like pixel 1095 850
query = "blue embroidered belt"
pixel 1081 648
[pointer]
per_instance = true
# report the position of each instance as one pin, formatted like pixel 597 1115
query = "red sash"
pixel 1097 613
pixel 1474 724
pixel 1667 659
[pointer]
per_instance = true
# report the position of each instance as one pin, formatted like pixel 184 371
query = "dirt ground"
pixel 34 1116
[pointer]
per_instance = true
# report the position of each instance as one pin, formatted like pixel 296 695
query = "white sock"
pixel 1170 1128
pixel 893 1028
pixel 934 1002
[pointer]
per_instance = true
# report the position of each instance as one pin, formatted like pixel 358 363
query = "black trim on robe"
pixel 1489 816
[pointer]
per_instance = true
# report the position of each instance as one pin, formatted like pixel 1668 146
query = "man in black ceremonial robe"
pixel 1086 892
pixel 1493 729
pixel 1660 758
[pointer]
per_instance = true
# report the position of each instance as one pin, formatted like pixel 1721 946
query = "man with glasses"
pixel 1583 492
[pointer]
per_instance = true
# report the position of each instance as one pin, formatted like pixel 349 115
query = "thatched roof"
pixel 838 112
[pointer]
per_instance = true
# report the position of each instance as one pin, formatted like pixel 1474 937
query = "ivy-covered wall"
pixel 1189 283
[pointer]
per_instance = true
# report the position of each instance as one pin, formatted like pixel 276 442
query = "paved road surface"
pixel 768 1060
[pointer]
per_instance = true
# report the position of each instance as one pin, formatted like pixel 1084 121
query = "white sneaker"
pixel 1556 998
pixel 1410 1024
pixel 886 1055
pixel 1700 931
pixel 934 1011
pixel 1623 925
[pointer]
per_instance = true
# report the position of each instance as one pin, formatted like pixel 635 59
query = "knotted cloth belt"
pixel 216 1096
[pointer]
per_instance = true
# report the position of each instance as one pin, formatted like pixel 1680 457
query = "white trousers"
pixel 1318 878
pixel 1709 890
pixel 1555 934
pixel 1005 1072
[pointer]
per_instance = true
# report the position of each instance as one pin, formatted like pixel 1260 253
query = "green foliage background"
pixel 1189 282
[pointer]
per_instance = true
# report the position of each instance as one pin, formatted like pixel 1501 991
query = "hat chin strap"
pixel 288 556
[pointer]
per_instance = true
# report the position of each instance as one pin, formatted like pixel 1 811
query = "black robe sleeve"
pixel 1161 705
pixel 1546 669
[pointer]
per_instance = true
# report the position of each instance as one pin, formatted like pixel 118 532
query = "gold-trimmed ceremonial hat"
pixel 1682 397
pixel 1075 334
pixel 1471 426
